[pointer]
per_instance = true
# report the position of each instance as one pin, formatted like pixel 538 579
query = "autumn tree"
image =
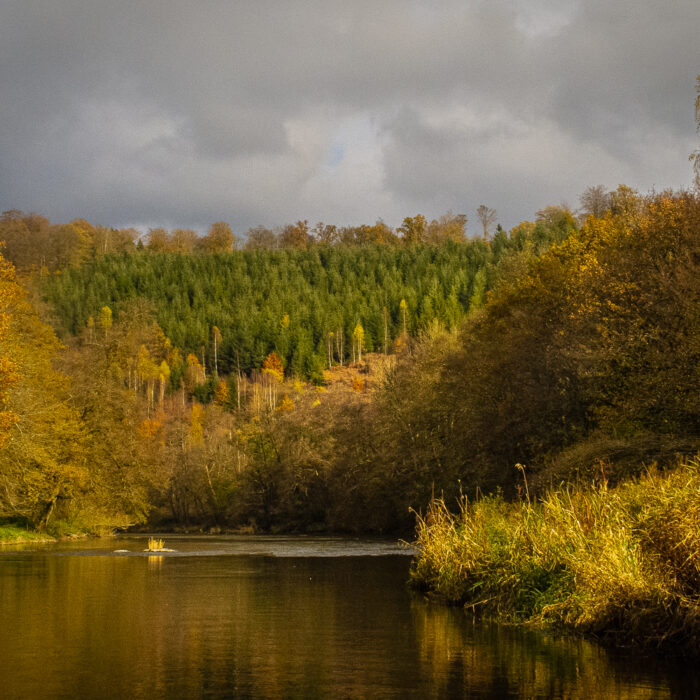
pixel 626 204
pixel 183 240
pixel 10 295
pixel 43 461
pixel 19 248
pixel 358 336
pixel 364 235
pixel 222 393
pixel 413 229
pixel 195 373
pixel 158 240
pixel 105 319
pixel 325 234
pixel 449 227
pixel 219 239
pixel 163 379
pixel 273 367
pixel 295 235
pixel 32 243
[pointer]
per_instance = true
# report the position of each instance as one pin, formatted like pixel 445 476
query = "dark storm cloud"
pixel 182 113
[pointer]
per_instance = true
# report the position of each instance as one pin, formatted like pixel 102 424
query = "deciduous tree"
pixel 487 217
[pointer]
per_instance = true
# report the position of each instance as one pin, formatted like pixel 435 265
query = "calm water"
pixel 272 617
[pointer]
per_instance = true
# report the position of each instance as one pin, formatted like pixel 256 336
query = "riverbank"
pixel 620 564
pixel 14 534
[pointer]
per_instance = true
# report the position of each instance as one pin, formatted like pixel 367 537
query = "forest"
pixel 335 386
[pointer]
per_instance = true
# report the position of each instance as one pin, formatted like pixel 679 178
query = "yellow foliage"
pixel 174 359
pixel 222 395
pixel 358 384
pixel 43 461
pixel 105 318
pixel 10 294
pixel 286 404
pixel 196 427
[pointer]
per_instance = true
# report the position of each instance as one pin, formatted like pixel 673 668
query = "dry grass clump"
pixel 155 545
pixel 621 562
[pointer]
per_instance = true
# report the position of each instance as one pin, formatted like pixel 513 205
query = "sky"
pixel 178 113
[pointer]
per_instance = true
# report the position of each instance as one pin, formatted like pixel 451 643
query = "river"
pixel 275 617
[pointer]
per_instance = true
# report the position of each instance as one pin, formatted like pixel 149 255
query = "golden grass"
pixel 621 562
pixel 155 545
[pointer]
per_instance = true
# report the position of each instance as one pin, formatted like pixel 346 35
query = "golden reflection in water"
pixel 161 627
pixel 516 661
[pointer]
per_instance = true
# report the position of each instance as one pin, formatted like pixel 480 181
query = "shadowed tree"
pixel 449 227
pixel 595 201
pixel 326 234
pixel 695 155
pixel 157 240
pixel 261 238
pixel 487 217
pixel 296 235
pixel 183 240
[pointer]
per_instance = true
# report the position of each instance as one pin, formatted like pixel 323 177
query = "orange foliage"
pixel 149 429
pixel 273 366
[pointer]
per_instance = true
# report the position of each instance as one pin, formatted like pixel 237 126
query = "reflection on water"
pixel 272 617
pixel 502 661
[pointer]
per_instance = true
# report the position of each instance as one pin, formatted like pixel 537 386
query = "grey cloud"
pixel 181 113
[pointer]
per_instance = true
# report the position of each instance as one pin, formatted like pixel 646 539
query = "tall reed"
pixel 622 562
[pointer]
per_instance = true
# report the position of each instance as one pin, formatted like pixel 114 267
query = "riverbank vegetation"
pixel 617 562
pixel 15 534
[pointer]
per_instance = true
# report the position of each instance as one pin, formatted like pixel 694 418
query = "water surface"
pixel 270 617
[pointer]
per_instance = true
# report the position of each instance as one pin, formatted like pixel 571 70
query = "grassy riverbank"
pixel 12 532
pixel 15 534
pixel 622 563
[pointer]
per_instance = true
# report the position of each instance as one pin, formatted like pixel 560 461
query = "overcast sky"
pixel 181 113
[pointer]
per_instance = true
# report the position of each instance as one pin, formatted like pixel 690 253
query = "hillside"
pixel 301 304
